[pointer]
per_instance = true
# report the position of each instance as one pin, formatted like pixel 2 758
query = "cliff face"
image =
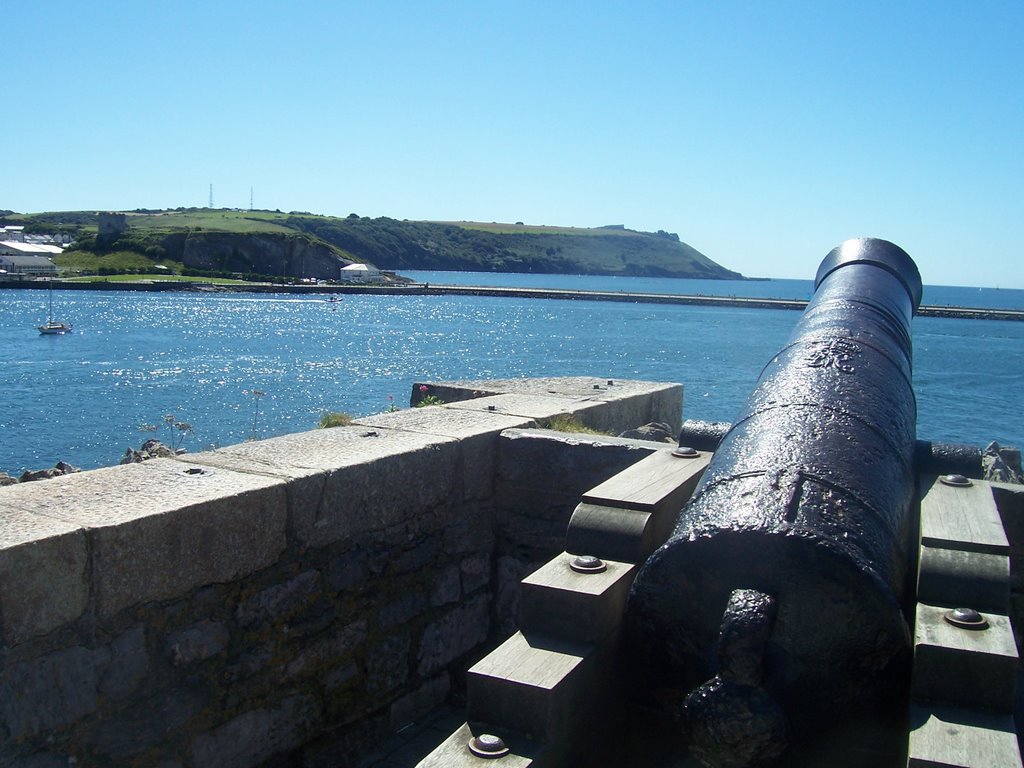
pixel 300 244
pixel 265 254
pixel 397 245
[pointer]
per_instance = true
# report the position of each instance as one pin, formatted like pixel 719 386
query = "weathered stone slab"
pixel 631 403
pixel 163 527
pixel 348 480
pixel 477 432
pixel 130 664
pixel 149 723
pixel 387 665
pixel 51 692
pixel 198 642
pixel 454 634
pixel 562 386
pixel 455 421
pixel 538 408
pixel 254 737
pixel 43 566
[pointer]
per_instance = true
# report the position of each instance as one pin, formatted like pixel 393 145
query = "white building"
pixel 18 258
pixel 359 273
pixel 13 232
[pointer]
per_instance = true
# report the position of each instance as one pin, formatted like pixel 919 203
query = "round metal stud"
pixel 488 745
pixel 966 618
pixel 588 564
pixel 957 481
pixel 685 452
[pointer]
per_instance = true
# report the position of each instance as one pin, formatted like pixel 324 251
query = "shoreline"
pixel 428 289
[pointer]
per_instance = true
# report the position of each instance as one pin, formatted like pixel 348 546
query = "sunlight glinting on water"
pixel 135 357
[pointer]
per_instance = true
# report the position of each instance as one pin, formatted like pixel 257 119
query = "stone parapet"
pixel 296 598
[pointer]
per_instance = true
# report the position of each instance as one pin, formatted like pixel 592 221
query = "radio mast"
pixel 211 196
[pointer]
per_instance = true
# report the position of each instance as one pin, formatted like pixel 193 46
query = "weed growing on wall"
pixel 176 431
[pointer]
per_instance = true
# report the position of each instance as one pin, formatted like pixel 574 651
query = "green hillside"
pixel 271 242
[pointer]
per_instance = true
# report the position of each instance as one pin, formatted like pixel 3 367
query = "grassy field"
pixel 246 222
pixel 85 261
pixel 499 228
pixel 154 279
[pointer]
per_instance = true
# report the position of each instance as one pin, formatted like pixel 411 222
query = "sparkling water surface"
pixel 135 357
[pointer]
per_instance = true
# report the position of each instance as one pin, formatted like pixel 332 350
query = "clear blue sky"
pixel 763 133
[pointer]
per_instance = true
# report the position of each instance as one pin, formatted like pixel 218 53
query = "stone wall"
pixel 290 601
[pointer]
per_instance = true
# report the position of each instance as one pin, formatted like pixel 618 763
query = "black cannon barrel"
pixel 806 500
pixel 930 458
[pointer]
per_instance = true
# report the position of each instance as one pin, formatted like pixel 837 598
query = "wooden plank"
pixel 651 483
pixel 945 737
pixel 963 667
pixel 533 687
pixel 961 518
pixel 586 607
pixel 955 577
pixel 611 533
pixel 454 752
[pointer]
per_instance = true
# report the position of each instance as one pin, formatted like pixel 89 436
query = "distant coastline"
pixel 429 289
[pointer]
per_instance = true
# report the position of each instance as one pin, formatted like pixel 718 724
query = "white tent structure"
pixel 359 273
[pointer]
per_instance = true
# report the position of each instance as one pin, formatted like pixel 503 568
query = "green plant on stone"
pixel 427 399
pixel 334 419
pixel 567 422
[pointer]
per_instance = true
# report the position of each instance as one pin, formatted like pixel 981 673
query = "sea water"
pixel 239 366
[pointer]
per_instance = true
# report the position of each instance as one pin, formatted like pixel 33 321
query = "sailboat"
pixel 51 326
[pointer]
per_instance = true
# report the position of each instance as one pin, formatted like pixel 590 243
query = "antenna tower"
pixel 211 196
pixel 250 199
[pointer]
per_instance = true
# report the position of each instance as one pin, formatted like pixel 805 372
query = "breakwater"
pixel 427 289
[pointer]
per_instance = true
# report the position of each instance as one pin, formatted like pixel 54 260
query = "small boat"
pixel 53 327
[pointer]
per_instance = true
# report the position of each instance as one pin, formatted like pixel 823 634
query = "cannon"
pixel 777 601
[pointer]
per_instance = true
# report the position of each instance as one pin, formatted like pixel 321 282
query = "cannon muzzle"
pixel 781 583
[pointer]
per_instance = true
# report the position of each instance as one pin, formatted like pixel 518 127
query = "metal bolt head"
pixel 588 564
pixel 685 452
pixel 957 481
pixel 488 745
pixel 966 618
